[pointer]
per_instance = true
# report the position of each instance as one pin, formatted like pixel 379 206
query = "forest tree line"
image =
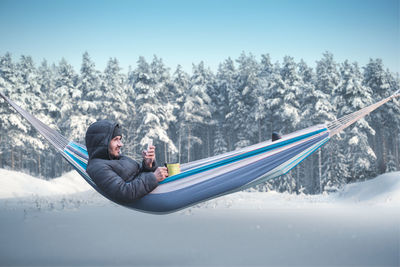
pixel 198 115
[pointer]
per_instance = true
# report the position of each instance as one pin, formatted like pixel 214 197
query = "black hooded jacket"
pixel 122 179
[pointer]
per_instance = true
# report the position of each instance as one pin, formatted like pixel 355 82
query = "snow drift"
pixel 17 184
pixel 384 189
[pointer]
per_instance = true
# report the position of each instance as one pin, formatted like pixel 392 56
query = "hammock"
pixel 212 177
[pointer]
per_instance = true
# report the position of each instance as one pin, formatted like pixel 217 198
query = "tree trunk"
pixel 384 150
pixel 310 174
pixel 396 149
pixel 62 166
pixel 230 141
pixel 320 170
pixel 1 155
pixel 179 146
pixel 12 160
pixel 259 131
pixel 188 158
pixel 272 129
pixel 165 153
pixel 209 142
pixel 20 160
pixel 39 165
pixel 297 179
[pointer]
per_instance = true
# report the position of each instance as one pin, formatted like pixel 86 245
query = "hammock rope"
pixel 342 123
pixel 218 175
pixel 54 137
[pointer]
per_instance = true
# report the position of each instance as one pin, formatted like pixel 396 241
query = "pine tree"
pixel 377 80
pixel 393 119
pixel 7 86
pixel 150 112
pixel 196 110
pixel 167 103
pixel 264 91
pixel 14 137
pixel 46 81
pixel 88 105
pixel 64 95
pixel 242 101
pixel 354 96
pixel 334 167
pixel 285 102
pixel 317 109
pixel 312 113
pixel 115 105
pixel 225 84
pixel 180 85
pixel 31 96
pixel 289 109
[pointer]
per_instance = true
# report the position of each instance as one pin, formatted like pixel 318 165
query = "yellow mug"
pixel 173 168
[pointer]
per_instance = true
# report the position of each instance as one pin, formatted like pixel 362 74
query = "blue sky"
pixel 186 32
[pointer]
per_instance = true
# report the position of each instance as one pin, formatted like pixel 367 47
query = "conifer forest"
pixel 195 115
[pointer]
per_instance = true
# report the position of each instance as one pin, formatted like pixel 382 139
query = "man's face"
pixel 114 148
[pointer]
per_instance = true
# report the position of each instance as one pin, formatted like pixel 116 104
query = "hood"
pixel 97 138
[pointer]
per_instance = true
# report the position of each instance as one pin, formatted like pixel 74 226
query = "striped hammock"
pixel 215 176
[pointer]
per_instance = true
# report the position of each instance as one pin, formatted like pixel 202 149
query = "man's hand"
pixel 149 156
pixel 161 173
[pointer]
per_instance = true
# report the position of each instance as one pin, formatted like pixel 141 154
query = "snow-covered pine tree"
pixel 317 109
pixel 8 119
pixel 274 99
pixel 334 166
pixel 211 124
pixel 33 101
pixel 13 85
pixel 140 81
pixel 115 94
pixel 64 95
pixel 285 103
pixel 148 110
pixel 394 123
pixel 89 104
pixel 289 109
pixel 225 84
pixel 242 101
pixel 46 81
pixel 378 80
pixel 266 75
pixel 307 181
pixel 164 91
pixel 180 86
pixel 196 111
pixel 353 96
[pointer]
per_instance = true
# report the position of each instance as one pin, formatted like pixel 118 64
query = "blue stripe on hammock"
pixel 79 150
pixel 76 160
pixel 306 155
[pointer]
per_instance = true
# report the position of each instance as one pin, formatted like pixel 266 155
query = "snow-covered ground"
pixel 63 222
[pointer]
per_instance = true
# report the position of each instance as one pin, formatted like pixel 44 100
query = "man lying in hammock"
pixel 120 177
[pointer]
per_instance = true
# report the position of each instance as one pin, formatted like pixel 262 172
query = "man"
pixel 119 177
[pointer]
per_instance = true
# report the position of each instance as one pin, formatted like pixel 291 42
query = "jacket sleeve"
pixel 145 168
pixel 117 189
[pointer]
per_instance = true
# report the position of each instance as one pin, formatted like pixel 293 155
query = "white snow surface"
pixel 63 222
pixel 383 190
pixel 16 184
